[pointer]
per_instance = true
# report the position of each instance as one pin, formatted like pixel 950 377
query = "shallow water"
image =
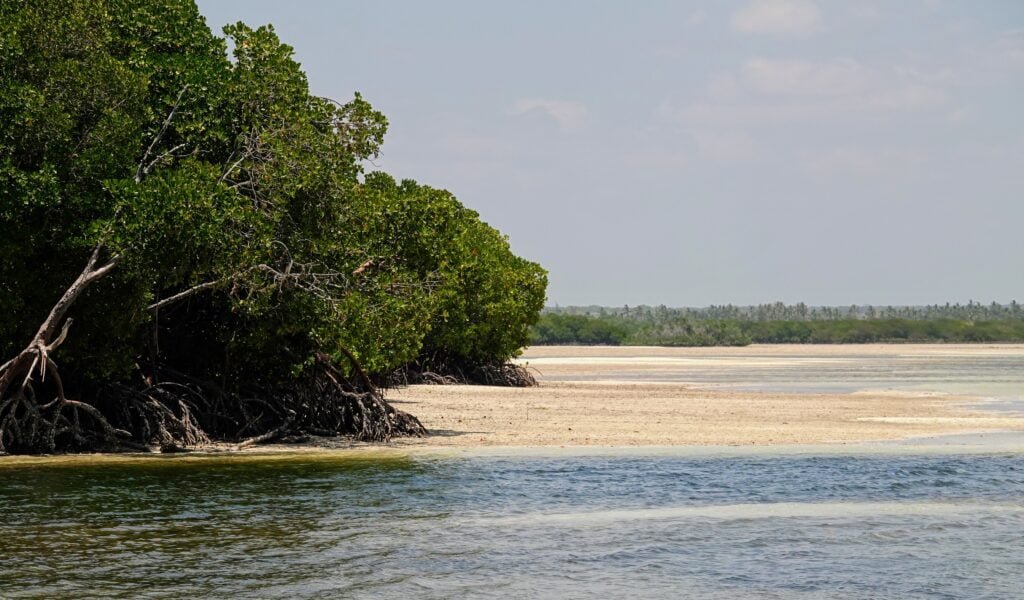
pixel 990 374
pixel 663 525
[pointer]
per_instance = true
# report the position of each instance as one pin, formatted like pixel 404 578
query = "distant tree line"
pixel 779 311
pixel 779 324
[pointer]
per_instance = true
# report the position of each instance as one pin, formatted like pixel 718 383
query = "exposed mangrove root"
pixel 166 416
pixel 365 412
pixel 188 413
pixel 507 374
pixel 34 412
pixel 449 372
pixel 175 416
pixel 179 412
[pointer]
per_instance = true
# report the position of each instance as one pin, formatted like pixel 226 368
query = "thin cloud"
pixel 906 98
pixel 568 114
pixel 725 146
pixel 771 91
pixel 697 17
pixel 861 161
pixel 1008 49
pixel 778 17
pixel 863 10
pixel 658 160
pixel 835 77
pixel 723 87
pixel 470 144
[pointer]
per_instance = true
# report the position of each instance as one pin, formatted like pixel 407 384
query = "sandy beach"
pixel 612 396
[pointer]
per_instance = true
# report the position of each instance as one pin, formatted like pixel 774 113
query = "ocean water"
pixel 671 524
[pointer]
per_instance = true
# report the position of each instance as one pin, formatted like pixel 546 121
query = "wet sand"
pixel 576 405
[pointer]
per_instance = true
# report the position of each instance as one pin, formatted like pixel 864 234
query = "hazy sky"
pixel 685 153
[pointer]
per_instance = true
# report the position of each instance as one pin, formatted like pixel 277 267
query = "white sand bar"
pixel 626 396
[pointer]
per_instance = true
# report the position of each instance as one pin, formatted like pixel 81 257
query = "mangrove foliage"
pixel 190 234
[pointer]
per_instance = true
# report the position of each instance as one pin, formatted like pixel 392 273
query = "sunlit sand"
pixel 583 400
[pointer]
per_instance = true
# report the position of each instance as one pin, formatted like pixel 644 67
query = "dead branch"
pixel 190 292
pixel 38 349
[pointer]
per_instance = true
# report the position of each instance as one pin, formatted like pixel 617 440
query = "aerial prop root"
pixel 36 416
pixel 363 411
pixel 31 425
pixel 455 372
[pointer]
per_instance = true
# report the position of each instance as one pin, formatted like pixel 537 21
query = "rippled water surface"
pixel 615 525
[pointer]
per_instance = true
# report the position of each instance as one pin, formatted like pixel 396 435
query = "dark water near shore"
pixel 615 525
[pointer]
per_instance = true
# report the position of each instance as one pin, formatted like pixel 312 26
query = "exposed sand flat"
pixel 619 413
pixel 662 414
pixel 773 350
pixel 587 362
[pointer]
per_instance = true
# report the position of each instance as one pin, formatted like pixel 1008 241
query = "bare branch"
pixel 141 170
pixel 191 291
pixel 88 275
pixel 234 165
pixel 60 338
pixel 165 155
pixel 100 272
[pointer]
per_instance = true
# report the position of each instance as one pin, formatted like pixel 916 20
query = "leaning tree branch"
pixel 165 156
pixel 192 291
pixel 142 169
pixel 327 285
pixel 41 345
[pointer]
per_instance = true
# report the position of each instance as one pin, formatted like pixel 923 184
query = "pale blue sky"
pixel 689 153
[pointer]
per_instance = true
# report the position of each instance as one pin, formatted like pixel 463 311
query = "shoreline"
pixel 610 401
pixel 330 450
